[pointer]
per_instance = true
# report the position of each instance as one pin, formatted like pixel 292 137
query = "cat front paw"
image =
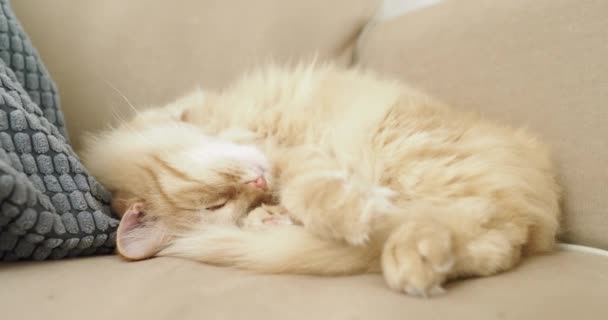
pixel 418 257
pixel 266 216
pixel 361 214
pixel 341 208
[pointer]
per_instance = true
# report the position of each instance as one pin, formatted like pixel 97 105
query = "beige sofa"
pixel 540 64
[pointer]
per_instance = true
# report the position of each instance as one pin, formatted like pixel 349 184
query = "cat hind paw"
pixel 418 257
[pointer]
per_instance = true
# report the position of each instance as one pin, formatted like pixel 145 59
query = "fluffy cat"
pixel 377 176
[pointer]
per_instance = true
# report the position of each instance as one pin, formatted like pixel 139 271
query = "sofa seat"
pixel 563 285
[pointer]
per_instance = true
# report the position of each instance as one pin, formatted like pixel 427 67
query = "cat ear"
pixel 136 238
pixel 182 109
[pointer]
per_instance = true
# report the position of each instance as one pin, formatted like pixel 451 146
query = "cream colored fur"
pixel 381 177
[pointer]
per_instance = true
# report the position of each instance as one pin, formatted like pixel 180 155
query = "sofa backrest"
pixel 541 64
pixel 153 51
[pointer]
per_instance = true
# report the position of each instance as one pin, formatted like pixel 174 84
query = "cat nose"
pixel 260 183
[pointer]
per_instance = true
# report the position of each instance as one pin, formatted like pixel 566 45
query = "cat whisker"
pixel 125 124
pixel 116 115
pixel 124 97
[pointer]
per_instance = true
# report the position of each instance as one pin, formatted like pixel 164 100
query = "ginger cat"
pixel 376 177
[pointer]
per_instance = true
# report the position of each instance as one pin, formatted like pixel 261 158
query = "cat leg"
pixel 431 247
pixel 330 200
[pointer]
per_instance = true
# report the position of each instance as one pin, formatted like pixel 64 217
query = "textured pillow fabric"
pixel 17 52
pixel 49 206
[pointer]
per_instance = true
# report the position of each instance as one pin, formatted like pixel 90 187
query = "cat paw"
pixel 368 204
pixel 345 209
pixel 418 257
pixel 266 216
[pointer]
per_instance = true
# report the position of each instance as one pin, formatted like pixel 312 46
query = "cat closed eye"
pixel 216 206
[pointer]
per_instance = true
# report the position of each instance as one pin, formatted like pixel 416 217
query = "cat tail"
pixel 285 249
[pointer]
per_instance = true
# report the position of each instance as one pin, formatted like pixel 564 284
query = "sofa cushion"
pixel 540 64
pixel 49 206
pixel 565 285
pixel 152 51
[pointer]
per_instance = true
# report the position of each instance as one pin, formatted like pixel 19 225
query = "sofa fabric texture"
pixel 561 286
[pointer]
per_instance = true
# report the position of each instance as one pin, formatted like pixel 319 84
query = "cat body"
pixel 377 177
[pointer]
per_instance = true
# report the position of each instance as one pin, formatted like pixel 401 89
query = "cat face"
pixel 169 176
pixel 209 181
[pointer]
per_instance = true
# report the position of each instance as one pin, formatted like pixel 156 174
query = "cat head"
pixel 167 176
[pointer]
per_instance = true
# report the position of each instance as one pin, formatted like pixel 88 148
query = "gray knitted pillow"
pixel 49 206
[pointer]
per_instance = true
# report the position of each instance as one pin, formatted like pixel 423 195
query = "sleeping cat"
pixel 373 175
